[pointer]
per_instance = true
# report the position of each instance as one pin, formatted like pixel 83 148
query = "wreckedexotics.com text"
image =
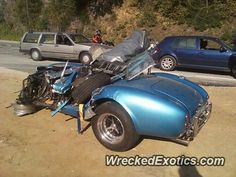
pixel 161 160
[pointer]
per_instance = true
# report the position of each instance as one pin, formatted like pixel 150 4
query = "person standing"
pixel 97 38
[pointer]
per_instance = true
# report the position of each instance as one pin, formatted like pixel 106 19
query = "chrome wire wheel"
pixel 110 128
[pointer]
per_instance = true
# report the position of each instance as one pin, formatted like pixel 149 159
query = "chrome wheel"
pixel 35 55
pixel 113 127
pixel 110 128
pixel 167 63
pixel 86 59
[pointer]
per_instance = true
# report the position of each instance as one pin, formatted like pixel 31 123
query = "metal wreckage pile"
pixel 63 87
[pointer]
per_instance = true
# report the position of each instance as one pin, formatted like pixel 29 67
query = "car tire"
pixel 35 55
pixel 114 128
pixel 233 71
pixel 85 58
pixel 167 63
pixel 83 91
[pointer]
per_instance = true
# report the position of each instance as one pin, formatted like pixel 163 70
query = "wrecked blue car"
pixel 122 99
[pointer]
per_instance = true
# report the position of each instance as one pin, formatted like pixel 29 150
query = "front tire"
pixel 167 63
pixel 114 128
pixel 35 55
pixel 85 58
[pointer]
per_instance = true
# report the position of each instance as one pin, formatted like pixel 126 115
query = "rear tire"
pixel 167 63
pixel 83 91
pixel 35 55
pixel 85 58
pixel 114 128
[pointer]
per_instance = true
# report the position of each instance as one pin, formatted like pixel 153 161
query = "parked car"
pixel 200 52
pixel 118 99
pixel 56 45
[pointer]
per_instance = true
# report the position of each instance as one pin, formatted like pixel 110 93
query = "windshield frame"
pixel 138 65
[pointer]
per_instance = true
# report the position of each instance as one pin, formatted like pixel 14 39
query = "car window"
pixel 188 43
pixel 63 40
pixel 77 38
pixel 31 38
pixel 175 43
pixel 47 39
pixel 209 44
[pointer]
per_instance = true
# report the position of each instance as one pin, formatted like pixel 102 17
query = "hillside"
pixel 118 18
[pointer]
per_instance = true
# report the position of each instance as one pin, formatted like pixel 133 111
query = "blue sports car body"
pixel 123 106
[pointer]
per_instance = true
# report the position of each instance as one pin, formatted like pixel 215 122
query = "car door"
pixel 213 53
pixel 64 48
pixel 46 45
pixel 186 51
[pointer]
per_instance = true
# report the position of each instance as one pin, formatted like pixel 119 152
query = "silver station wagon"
pixel 41 45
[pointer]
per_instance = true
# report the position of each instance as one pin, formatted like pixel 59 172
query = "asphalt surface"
pixel 11 58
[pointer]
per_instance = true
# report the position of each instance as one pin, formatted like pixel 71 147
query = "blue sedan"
pixel 200 52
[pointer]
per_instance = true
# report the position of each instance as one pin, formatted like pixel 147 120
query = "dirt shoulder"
pixel 40 146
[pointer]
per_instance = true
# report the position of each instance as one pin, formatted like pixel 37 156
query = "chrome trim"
pixel 199 119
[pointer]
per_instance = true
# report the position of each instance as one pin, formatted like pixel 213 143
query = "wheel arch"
pixel 152 110
pixel 35 48
pixel 81 52
pixel 122 105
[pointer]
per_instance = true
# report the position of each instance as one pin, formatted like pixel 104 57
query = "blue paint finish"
pixel 157 104
pixel 195 86
pixel 64 85
pixel 59 108
pixel 71 110
pixel 154 115
pixel 152 112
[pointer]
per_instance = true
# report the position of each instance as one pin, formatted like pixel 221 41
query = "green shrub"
pixel 226 36
pixel 147 19
pixel 7 33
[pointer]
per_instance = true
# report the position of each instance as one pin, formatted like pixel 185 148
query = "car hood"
pixel 176 91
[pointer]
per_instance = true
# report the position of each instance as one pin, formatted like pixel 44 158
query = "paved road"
pixel 11 58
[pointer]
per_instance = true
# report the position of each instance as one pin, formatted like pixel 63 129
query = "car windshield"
pixel 78 38
pixel 138 64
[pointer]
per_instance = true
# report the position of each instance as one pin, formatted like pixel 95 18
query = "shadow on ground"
pixel 188 171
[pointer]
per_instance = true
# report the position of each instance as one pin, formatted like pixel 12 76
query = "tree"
pixel 1 10
pixel 60 13
pixel 201 14
pixel 29 12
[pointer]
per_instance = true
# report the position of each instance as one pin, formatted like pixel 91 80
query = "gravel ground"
pixel 40 146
